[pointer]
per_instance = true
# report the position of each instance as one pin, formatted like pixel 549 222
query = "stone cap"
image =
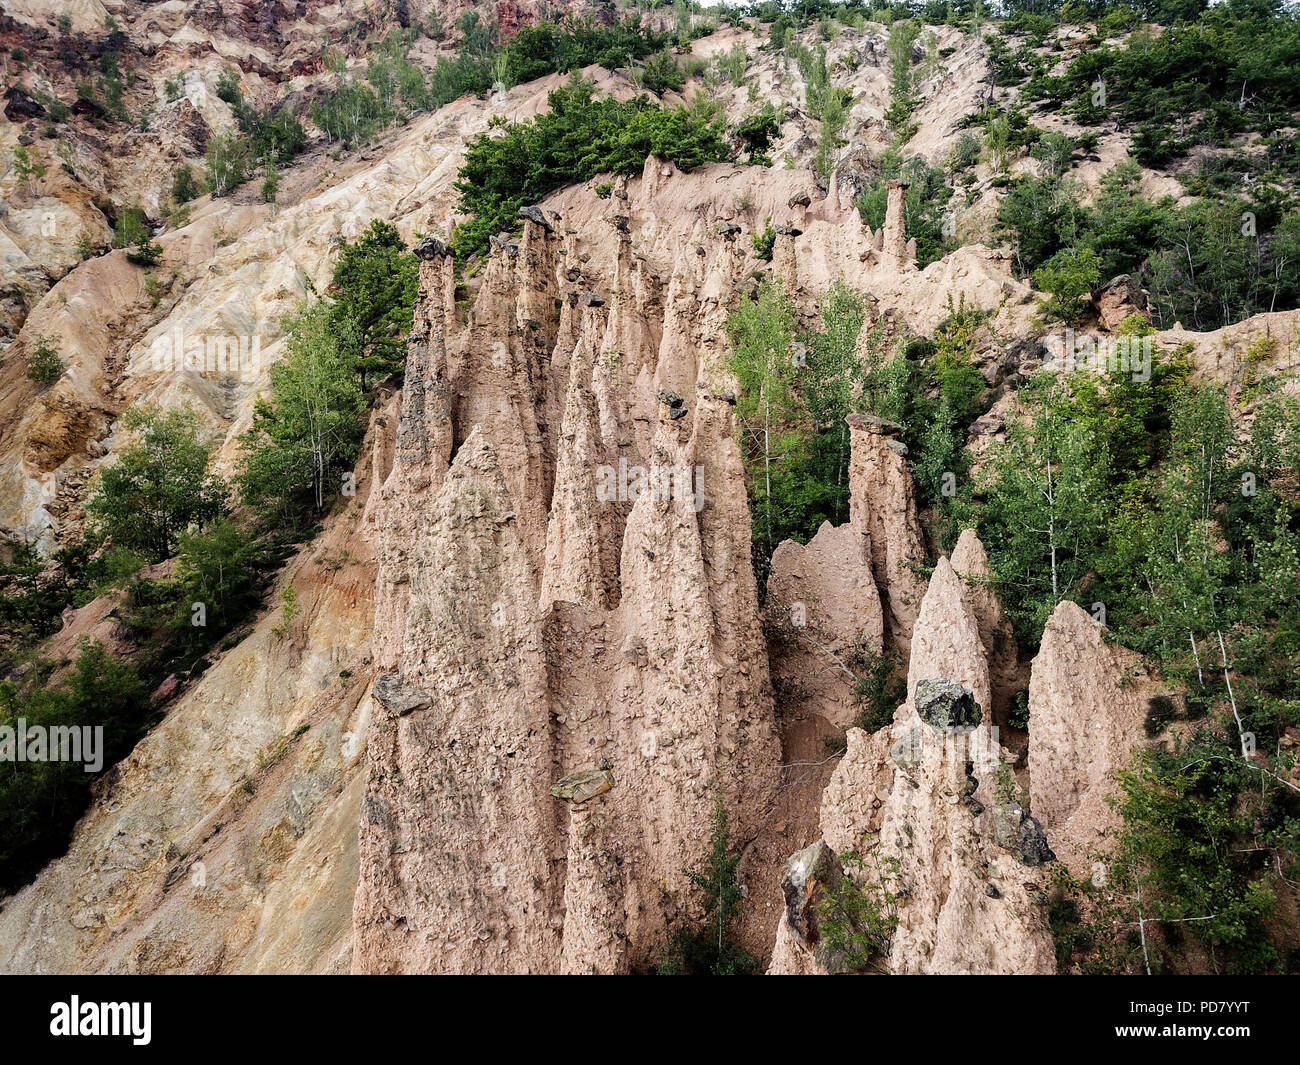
pixel 872 424
pixel 431 248
pixel 534 214
pixel 583 785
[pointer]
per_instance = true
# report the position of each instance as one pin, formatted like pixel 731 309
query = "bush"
pixel 146 253
pixel 765 241
pixel 184 187
pixel 40 802
pixel 270 183
pixel 965 152
pixel 1068 277
pixel 662 73
pixel 1018 714
pixel 228 88
pixel 44 363
pixel 857 917
pixel 757 131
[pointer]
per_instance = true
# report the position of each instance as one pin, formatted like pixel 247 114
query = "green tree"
pixel 159 487
pixel 227 162
pixel 270 182
pixel 1047 506
pixel 828 387
pixel 762 332
pixel 375 284
pixel 305 438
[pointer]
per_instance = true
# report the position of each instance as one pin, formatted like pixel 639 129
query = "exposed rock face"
pixel 946 642
pixel 823 596
pixel 971 563
pixel 634 632
pixel 594 940
pixel 895 249
pixel 1120 298
pixel 227 841
pixel 423 451
pixel 921 797
pixel 882 509
pixel 1087 704
pixel 467 886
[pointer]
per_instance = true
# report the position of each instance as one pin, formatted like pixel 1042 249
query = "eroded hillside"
pixel 527 664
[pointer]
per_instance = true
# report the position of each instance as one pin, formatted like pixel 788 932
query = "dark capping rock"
pixel 21 105
pixel 573 273
pixel 946 704
pixel 431 248
pixel 789 231
pixel 621 222
pixel 671 398
pixel 807 871
pixel 897 447
pixel 509 247
pixel 728 230
pixel 875 426
pixel 1015 831
pixel 592 299
pixel 398 694
pixel 1033 843
pixel 535 215
pixel 800 199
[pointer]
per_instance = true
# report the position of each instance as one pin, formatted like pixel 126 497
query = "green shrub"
pixel 184 187
pixel 44 363
pixel 858 916
pixel 146 253
pixel 1068 278
pixel 1018 714
pixel 765 241
pixel 41 802
pixel 707 948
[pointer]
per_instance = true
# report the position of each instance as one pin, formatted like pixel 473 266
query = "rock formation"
pixel 921 801
pixel 1087 703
